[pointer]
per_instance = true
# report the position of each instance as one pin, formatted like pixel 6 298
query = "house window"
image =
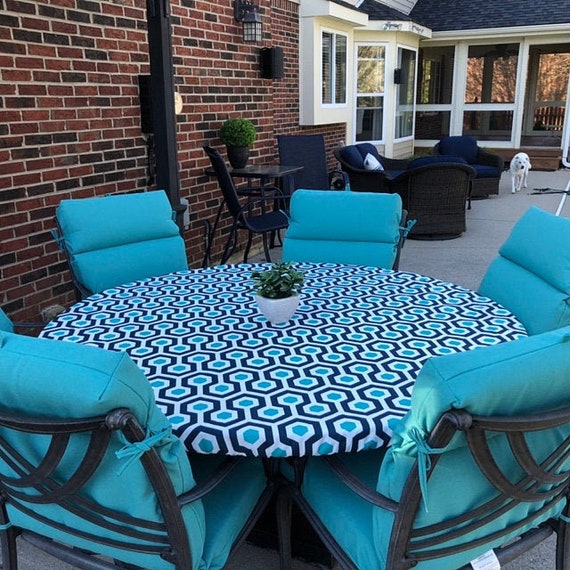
pixel 334 56
pixel 370 84
pixel 433 97
pixel 492 73
pixel 435 75
pixel 490 91
pixel 404 125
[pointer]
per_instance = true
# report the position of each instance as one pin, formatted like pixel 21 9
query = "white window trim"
pixel 334 33
pixel 356 94
pixel 397 87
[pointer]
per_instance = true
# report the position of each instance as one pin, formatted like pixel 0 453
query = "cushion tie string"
pixel 564 518
pixel 5 526
pixel 59 240
pixel 424 460
pixel 133 451
pixel 406 229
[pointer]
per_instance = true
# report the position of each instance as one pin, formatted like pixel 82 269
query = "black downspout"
pixel 162 94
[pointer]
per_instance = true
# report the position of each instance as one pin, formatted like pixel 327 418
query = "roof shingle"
pixel 448 15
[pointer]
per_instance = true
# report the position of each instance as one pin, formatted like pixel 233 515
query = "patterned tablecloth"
pixel 331 380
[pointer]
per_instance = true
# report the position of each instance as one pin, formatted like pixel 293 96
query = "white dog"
pixel 519 167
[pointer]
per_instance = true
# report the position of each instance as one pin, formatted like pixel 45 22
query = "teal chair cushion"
pixel 5 322
pixel 60 379
pixel 531 276
pixel 359 228
pixel 347 516
pixel 506 379
pixel 117 239
pixel 228 505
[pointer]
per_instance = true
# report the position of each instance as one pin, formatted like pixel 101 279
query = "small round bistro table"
pixel 331 380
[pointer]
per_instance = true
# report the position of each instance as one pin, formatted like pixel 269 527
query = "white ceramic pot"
pixel 277 311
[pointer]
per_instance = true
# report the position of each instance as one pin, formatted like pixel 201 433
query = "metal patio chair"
pixel 117 239
pixel 89 466
pixel 266 220
pixel 480 466
pixel 359 228
pixel 308 151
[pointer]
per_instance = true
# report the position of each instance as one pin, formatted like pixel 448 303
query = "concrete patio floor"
pixel 462 261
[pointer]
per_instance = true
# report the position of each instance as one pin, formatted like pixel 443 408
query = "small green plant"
pixel 281 280
pixel 238 132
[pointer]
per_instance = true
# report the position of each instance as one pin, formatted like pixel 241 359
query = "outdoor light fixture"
pixel 248 14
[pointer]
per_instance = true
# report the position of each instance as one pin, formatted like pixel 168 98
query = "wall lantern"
pixel 398 76
pixel 248 14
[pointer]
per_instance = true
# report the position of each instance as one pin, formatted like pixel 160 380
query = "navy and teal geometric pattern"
pixel 331 380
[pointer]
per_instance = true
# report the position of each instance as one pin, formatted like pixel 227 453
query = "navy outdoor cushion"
pixel 355 154
pixel 352 156
pixel 463 146
pixel 368 148
pixel 482 171
pixel 435 159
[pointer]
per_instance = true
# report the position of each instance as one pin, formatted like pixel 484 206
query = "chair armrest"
pixel 395 163
pixel 489 159
pixel 358 487
pixel 202 489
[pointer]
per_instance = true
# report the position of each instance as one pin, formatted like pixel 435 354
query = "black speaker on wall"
pixel 271 63
pixel 145 101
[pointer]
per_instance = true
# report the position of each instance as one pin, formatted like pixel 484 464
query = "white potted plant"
pixel 277 291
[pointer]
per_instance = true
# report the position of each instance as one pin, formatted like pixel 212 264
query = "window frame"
pixel 373 94
pixel 412 94
pixel 334 69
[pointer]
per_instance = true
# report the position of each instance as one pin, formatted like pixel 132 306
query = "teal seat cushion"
pixel 228 506
pixel 5 322
pixel 40 377
pixel 348 517
pixel 360 228
pixel 117 239
pixel 521 377
pixel 531 276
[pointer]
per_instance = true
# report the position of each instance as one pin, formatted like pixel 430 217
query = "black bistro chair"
pixel 244 216
pixel 309 152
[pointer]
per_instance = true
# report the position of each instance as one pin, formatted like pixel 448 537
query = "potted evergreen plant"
pixel 277 291
pixel 238 135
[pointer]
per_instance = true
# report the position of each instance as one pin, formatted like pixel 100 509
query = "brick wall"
pixel 70 119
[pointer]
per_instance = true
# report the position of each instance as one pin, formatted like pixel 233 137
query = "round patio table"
pixel 331 380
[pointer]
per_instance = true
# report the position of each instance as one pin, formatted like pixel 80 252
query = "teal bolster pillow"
pixel 109 221
pixel 102 269
pixel 539 306
pixel 378 216
pixel 343 227
pixel 40 377
pixel 551 261
pixel 531 276
pixel 520 377
pixel 118 239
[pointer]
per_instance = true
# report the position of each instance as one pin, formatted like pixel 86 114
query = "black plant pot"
pixel 238 155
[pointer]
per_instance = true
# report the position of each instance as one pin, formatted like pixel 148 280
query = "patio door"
pixel 546 94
